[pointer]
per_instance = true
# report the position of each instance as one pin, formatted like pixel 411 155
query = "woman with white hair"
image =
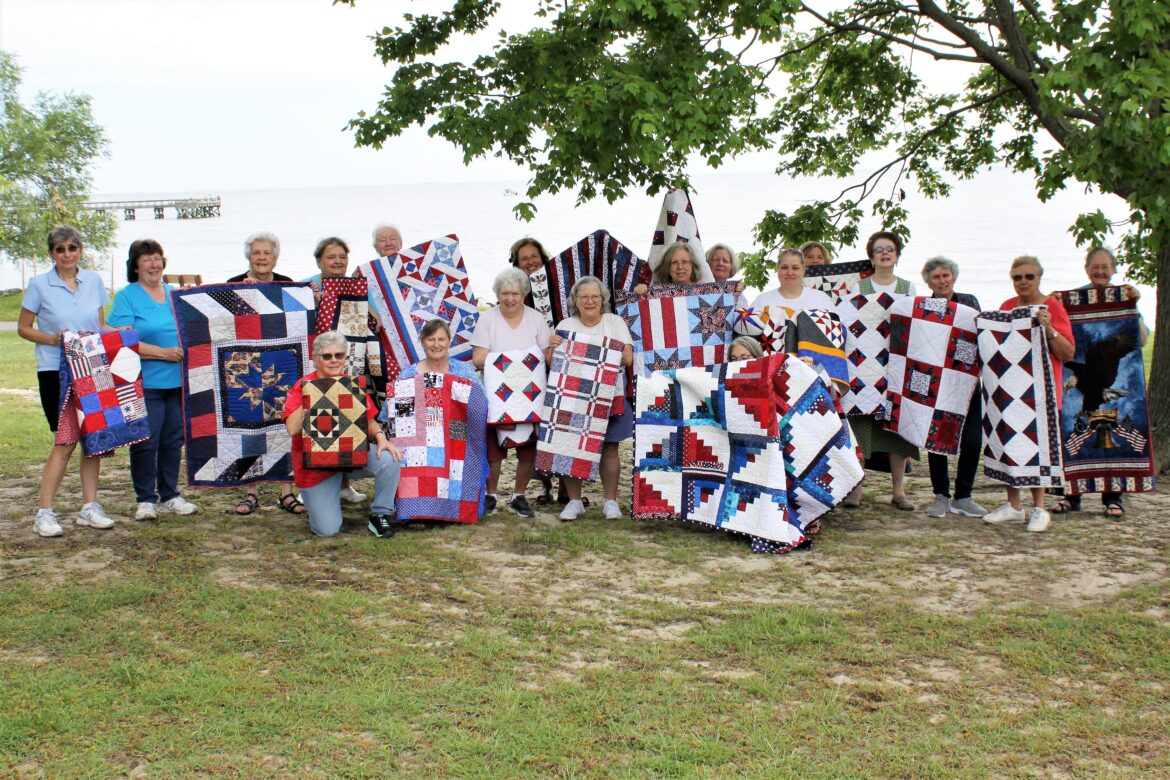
pixel 387 240
pixel 510 325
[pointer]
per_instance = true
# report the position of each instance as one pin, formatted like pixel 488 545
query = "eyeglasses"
pixel 885 250
pixel 63 248
pixel 332 356
pixel 1020 277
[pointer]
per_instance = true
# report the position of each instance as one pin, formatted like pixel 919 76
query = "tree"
pixel 45 155
pixel 605 95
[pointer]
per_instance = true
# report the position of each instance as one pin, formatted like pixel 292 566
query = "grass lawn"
pixel 10 306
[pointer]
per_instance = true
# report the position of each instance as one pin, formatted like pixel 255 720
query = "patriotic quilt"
pixel 417 285
pixel 514 381
pixel 244 346
pixel 438 421
pixel 835 279
pixel 336 423
pixel 345 308
pixel 768 325
pixel 578 402
pixel 867 349
pixel 676 222
pixel 754 447
pixel 678 325
pixel 101 401
pixel 598 254
pixel 1104 422
pixel 1021 432
pixel 539 297
pixel 933 371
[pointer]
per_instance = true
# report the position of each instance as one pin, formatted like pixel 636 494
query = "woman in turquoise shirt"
pixel 145 306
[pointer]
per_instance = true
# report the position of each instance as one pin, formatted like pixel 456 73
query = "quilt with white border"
pixel 676 222
pixel 867 350
pixel 335 426
pixel 678 325
pixel 598 254
pixel 101 390
pixel 835 279
pixel 514 381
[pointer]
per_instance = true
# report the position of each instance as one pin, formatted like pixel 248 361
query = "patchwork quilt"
pixel 678 325
pixel 1021 433
pixel 933 371
pixel 417 285
pixel 101 390
pixel 676 222
pixel 835 279
pixel 345 308
pixel 578 402
pixel 1104 422
pixel 514 382
pixel 818 334
pixel 244 346
pixel 754 447
pixel 867 350
pixel 438 421
pixel 336 425
pixel 600 255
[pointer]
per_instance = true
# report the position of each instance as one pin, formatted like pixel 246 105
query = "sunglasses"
pixel 63 248
pixel 1021 277
pixel 332 356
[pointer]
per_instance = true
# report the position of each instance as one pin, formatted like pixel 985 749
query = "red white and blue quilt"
pixel 678 325
pixel 514 381
pixel 598 254
pixel 101 390
pixel 867 349
pixel 835 279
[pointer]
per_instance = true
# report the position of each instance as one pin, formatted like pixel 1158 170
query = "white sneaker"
pixel 352 496
pixel 612 510
pixel 1038 519
pixel 1003 514
pixel 938 507
pixel 966 507
pixel 46 523
pixel 179 505
pixel 146 511
pixel 94 516
pixel 572 510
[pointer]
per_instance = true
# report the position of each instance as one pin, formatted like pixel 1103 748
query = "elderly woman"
pixel 387 240
pixel 66 297
pixel 145 306
pixel 744 348
pixel 321 488
pixel 588 302
pixel 511 325
pixel 721 261
pixel 940 275
pixel 1026 273
pixel 680 264
pixel 816 253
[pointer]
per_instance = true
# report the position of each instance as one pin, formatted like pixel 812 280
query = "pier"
pixel 185 208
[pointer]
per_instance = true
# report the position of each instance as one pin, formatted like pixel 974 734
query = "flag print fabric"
pixel 676 222
pixel 101 403
pixel 598 254
pixel 867 350
pixel 514 381
pixel 336 423
pixel 678 325
pixel 835 279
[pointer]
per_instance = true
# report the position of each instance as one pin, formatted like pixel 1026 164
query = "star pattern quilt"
pixel 244 346
pixel 678 325
pixel 754 447
pixel 676 222
pixel 578 402
pixel 835 279
pixel 1104 422
pixel 933 371
pixel 867 350
pixel 514 381
pixel 600 255
pixel 1021 432
pixel 768 325
pixel 336 424
pixel 101 390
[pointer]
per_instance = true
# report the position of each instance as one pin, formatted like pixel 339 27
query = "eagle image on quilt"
pixel 1021 433
pixel 244 346
pixel 578 402
pixel 438 421
pixel 933 371
pixel 345 308
pixel 678 325
pixel 598 254
pixel 1104 422
pixel 425 282
pixel 101 389
pixel 336 423
pixel 676 222
pixel 514 381
pixel 835 279
pixel 867 350
pixel 539 297
pixel 755 447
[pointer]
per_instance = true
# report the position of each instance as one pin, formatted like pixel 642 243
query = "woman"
pixel 387 240
pixel 262 251
pixel 792 294
pixel 680 265
pixel 145 306
pixel 588 301
pixel 321 488
pixel 744 348
pixel 511 325
pixel 884 249
pixel 721 261
pixel 65 297
pixel 816 253
pixel 940 274
pixel 1026 274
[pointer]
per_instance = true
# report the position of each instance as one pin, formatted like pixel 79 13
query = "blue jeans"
pixel 323 500
pixel 154 463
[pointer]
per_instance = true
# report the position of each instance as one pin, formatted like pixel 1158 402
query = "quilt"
pixel 1104 422
pixel 336 424
pixel 101 390
pixel 417 285
pixel 755 447
pixel 244 346
pixel 598 254
pixel 818 334
pixel 1021 433
pixel 514 381
pixel 678 325
pixel 345 308
pixel 539 297
pixel 867 350
pixel 676 222
pixel 933 371
pixel 578 402
pixel 835 279
pixel 438 421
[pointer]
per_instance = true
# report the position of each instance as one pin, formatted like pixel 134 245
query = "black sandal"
pixel 292 504
pixel 1064 507
pixel 1114 511
pixel 249 504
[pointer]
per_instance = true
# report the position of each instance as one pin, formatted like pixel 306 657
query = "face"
pixel 330 361
pixel 941 282
pixel 388 241
pixel 790 270
pixel 334 261
pixel 1100 269
pixel 815 256
pixel 510 299
pixel 67 256
pixel 740 352
pixel 262 258
pixel 528 258
pixel 885 253
pixel 1026 280
pixel 437 344
pixel 150 268
pixel 720 264
pixel 589 302
pixel 680 267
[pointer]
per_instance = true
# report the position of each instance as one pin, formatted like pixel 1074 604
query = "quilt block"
pixel 598 254
pixel 539 296
pixel 336 424
pixel 867 349
pixel 678 325
pixel 345 308
pixel 835 279
pixel 514 381
pixel 101 390
pixel 676 222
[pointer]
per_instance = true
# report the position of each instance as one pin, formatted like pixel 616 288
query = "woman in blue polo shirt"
pixel 145 306
pixel 66 297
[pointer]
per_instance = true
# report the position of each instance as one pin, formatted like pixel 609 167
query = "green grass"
pixel 18 368
pixel 10 306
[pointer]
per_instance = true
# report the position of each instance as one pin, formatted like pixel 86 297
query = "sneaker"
pixel 572 510
pixel 489 504
pixel 1038 519
pixel 46 523
pixel 519 505
pixel 1003 514
pixel 938 507
pixel 348 494
pixel 94 516
pixel 145 511
pixel 382 526
pixel 612 510
pixel 179 506
pixel 966 507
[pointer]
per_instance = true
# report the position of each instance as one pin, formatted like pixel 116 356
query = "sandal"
pixel 1114 511
pixel 292 504
pixel 1064 507
pixel 248 504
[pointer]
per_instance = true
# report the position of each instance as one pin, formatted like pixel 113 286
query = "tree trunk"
pixel 1159 380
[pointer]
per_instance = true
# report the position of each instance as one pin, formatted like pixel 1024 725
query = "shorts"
pixel 49 383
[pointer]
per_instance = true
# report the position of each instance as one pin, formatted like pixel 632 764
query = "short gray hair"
pixel 261 236
pixel 511 278
pixel 62 234
pixel 734 260
pixel 935 263
pixel 329 338
pixel 577 285
pixel 384 226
